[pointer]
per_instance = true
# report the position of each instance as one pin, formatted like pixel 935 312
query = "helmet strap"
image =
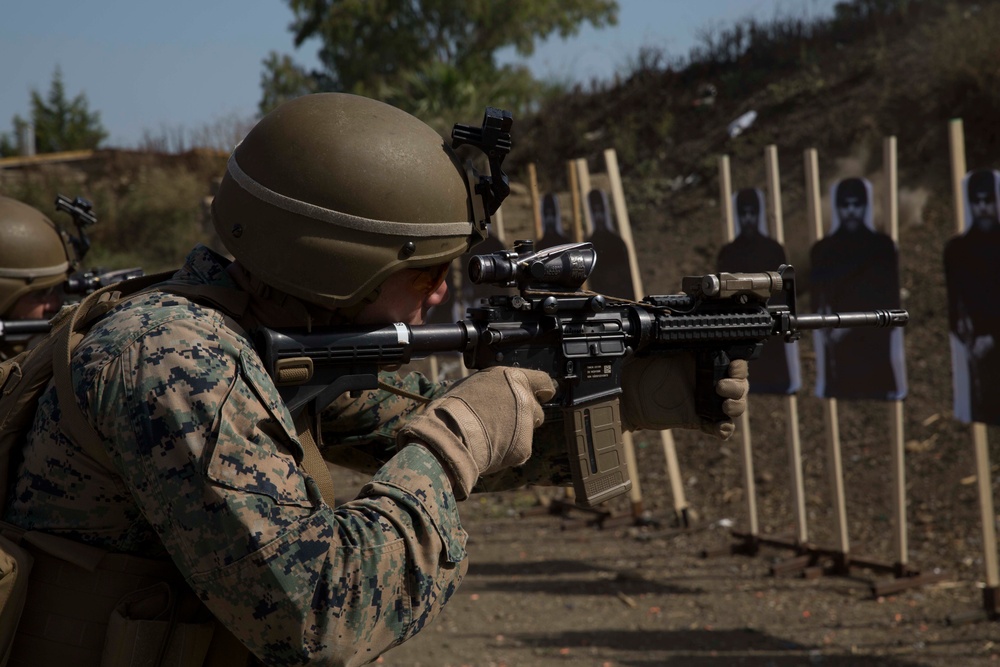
pixel 273 307
pixel 347 314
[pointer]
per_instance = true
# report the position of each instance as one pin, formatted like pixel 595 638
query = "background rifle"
pixel 580 338
pixel 91 280
pixel 83 282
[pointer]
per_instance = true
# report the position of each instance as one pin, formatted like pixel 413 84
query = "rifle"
pixel 80 283
pixel 91 280
pixel 581 339
pixel 16 330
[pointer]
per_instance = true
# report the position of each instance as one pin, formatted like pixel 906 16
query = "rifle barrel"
pixel 867 318
pixel 21 327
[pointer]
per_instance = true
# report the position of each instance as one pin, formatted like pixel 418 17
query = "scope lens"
pixel 480 269
pixel 490 269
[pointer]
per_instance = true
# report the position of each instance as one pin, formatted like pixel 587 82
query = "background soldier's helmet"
pixel 33 252
pixel 330 193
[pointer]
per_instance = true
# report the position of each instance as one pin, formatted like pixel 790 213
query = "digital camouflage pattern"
pixel 205 472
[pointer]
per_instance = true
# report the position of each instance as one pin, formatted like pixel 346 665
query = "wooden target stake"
pixel 573 177
pixel 673 470
pixel 906 576
pixel 791 400
pixel 834 461
pixel 896 431
pixel 749 483
pixel 583 189
pixel 583 182
pixel 536 202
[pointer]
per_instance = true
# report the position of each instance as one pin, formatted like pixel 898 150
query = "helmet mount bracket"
pixel 83 216
pixel 493 139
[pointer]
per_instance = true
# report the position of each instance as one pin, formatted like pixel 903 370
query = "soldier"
pixel 337 209
pixel 33 266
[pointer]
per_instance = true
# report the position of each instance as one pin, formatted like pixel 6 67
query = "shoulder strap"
pixel 312 460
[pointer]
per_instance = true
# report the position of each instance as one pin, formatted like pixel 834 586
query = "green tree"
pixel 283 80
pixel 61 124
pixel 434 58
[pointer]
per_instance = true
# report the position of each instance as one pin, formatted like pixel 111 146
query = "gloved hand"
pixel 483 423
pixel 658 393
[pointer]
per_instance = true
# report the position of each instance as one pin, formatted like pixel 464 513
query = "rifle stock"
pixel 581 339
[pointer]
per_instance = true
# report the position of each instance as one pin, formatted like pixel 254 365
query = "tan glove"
pixel 659 393
pixel 483 423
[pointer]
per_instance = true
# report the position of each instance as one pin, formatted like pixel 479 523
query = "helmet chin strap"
pixel 347 314
pixel 273 307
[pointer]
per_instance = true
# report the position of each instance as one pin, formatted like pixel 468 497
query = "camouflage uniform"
pixel 206 473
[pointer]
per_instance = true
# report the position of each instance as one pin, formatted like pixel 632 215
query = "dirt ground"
pixel 549 589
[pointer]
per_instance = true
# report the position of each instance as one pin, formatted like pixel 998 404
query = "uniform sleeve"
pixel 359 433
pixel 377 415
pixel 203 444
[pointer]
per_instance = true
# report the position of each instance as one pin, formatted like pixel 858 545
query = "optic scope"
pixel 559 268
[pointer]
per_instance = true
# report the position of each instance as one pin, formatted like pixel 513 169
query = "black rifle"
pixel 581 339
pixel 78 283
pixel 91 280
pixel 22 329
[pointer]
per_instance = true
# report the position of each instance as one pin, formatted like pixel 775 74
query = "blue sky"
pixel 158 67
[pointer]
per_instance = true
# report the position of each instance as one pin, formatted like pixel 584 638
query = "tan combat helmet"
pixel 33 252
pixel 330 193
